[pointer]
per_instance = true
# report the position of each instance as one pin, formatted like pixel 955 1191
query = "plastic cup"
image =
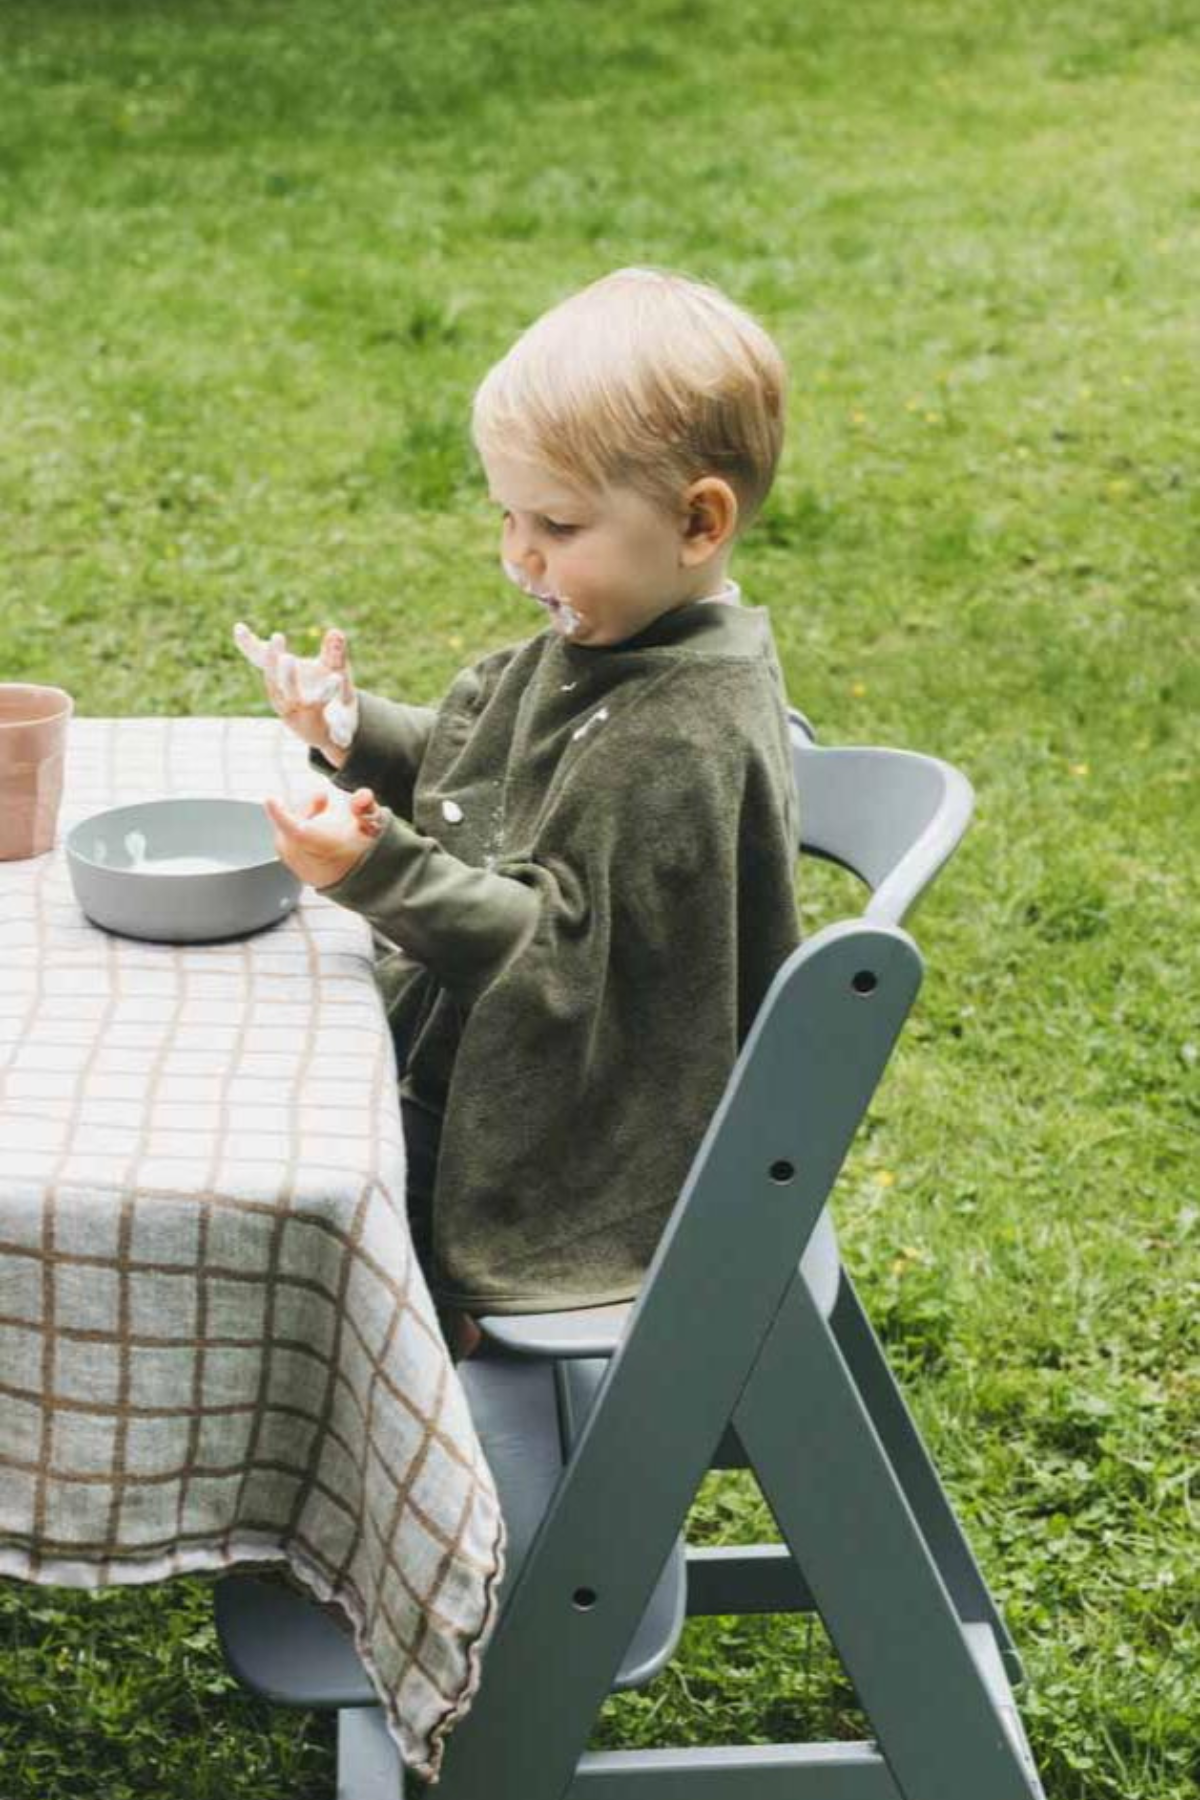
pixel 33 749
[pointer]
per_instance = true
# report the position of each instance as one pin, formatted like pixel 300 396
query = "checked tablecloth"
pixel 216 1344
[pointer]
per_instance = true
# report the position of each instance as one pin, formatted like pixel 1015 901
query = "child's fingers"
pixel 366 811
pixel 285 675
pixel 283 820
pixel 363 800
pixel 313 807
pixel 341 711
pixel 317 683
pixel 302 682
pixel 275 649
pixel 341 720
pixel 250 644
pixel 293 680
pixel 334 649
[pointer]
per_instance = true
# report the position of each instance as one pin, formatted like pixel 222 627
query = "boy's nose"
pixel 519 550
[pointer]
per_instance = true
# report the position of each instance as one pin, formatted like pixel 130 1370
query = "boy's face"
pixel 605 565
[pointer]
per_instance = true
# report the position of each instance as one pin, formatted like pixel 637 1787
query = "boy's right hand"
pixel 314 696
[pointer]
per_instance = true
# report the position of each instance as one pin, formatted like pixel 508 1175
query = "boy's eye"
pixel 553 526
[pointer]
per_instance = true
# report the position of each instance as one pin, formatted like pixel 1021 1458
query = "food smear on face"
pixel 566 620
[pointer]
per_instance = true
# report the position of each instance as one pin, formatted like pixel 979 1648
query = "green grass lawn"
pixel 255 255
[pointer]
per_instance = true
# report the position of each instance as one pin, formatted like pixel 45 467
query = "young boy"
pixel 585 853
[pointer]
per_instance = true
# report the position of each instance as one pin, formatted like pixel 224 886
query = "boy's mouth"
pixel 546 596
pixel 566 619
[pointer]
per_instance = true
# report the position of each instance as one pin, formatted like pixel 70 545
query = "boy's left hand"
pixel 326 841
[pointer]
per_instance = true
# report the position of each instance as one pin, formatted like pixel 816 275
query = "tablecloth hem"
pixel 491 1607
pixel 421 1752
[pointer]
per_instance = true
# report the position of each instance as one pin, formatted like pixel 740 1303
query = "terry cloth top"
pixel 587 858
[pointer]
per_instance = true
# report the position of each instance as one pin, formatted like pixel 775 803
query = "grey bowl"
pixel 180 871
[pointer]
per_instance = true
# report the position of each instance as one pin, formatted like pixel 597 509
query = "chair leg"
pixel 831 1485
pixel 369 1766
pixel 914 1469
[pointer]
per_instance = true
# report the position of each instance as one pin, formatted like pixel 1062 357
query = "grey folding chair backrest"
pixel 892 817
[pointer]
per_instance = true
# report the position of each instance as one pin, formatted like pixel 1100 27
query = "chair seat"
pixel 286 1647
pixel 295 1653
pixel 597 1330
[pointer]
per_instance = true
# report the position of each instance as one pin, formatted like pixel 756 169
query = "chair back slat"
pixel 892 817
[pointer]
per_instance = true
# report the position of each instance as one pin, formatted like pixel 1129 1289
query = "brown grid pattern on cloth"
pixel 216 1343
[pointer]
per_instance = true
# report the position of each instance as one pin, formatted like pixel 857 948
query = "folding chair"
pixel 746 1347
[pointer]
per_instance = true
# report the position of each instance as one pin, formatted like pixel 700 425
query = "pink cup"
pixel 33 748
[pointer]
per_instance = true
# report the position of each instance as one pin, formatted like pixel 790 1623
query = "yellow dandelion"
pixel 858 689
pixel 1116 490
pixel 884 1178
pixel 858 418
pixel 1080 768
pixel 933 418
pixel 455 642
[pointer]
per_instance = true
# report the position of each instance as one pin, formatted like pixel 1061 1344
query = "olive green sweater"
pixel 587 861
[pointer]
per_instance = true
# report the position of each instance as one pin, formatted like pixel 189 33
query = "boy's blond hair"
pixel 645 379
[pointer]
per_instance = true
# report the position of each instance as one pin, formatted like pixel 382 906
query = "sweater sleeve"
pixel 463 923
pixel 386 753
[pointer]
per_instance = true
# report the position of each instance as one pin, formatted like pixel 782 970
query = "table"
pixel 216 1344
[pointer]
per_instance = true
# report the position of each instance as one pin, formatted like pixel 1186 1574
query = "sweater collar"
pixel 700 628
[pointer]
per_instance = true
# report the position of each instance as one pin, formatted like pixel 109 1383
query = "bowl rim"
pixel 76 854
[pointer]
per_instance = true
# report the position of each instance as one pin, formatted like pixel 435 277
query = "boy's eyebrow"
pixel 543 512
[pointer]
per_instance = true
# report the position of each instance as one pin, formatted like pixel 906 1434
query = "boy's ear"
pixel 710 510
